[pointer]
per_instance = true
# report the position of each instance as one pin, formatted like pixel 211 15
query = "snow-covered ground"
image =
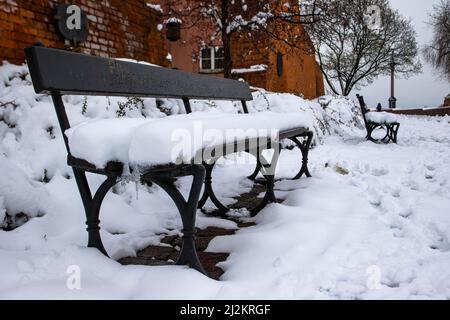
pixel 373 222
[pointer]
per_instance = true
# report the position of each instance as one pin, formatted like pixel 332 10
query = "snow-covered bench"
pixel 146 147
pixel 379 120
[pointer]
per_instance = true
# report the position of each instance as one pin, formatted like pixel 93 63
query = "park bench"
pixel 379 121
pixel 138 145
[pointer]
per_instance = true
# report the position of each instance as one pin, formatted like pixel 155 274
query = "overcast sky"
pixel 423 90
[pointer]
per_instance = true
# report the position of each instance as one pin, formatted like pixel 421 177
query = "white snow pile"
pixel 156 7
pixel 373 222
pixel 19 195
pixel 181 138
pixel 255 68
pixel 381 117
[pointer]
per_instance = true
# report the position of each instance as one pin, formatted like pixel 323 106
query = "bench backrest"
pixel 66 72
pixel 364 108
pixel 60 72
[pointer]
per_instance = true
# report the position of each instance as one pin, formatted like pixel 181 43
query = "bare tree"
pixel 356 41
pixel 230 19
pixel 438 51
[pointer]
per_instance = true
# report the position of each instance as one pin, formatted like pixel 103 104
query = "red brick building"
pixel 447 101
pixel 133 29
pixel 288 70
pixel 280 68
pixel 117 28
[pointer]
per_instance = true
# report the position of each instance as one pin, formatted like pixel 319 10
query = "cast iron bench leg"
pixel 92 207
pixel 391 132
pixel 269 197
pixel 304 148
pixel 395 129
pixel 371 128
pixel 208 193
pixel 188 255
pixel 93 222
pixel 254 175
pixel 222 209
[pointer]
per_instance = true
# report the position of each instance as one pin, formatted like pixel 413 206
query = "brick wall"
pixel 301 74
pixel 251 52
pixel 443 111
pixel 117 28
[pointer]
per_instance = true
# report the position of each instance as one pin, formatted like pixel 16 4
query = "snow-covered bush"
pixel 329 115
pixel 20 197
pixel 342 115
pixel 31 145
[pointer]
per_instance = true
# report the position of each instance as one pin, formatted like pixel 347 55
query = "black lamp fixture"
pixel 173 32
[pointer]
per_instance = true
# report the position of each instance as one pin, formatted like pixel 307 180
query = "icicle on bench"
pixel 145 146
pixel 379 120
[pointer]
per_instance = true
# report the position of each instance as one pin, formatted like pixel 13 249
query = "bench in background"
pixel 379 120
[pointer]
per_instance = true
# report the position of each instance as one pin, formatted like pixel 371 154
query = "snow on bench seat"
pixel 101 141
pixel 151 142
pixel 381 117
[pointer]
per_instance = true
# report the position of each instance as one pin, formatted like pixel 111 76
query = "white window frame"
pixel 213 59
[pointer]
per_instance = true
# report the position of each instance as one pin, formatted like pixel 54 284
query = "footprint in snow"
pixel 379 172
pixel 396 193
pixel 442 245
pixel 442 242
pixel 406 213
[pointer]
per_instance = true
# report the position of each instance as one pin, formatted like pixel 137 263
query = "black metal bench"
pixel 390 127
pixel 59 73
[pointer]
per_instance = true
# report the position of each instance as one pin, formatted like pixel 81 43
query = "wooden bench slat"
pixel 54 70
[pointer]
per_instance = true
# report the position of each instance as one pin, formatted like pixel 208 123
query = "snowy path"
pixel 336 234
pixel 374 222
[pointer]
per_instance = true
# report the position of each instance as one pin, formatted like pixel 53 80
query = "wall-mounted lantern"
pixel 173 26
pixel 72 24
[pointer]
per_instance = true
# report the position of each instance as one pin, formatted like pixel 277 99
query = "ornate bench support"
pixel 187 209
pixel 93 221
pixel 92 207
pixel 391 132
pixel 394 132
pixel 208 192
pixel 304 148
pixel 221 208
